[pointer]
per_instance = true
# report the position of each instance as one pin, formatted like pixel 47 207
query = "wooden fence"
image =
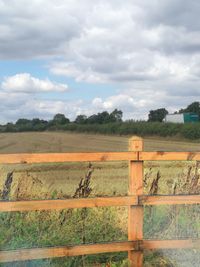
pixel 135 201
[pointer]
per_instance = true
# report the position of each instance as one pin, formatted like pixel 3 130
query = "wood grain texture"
pixel 55 252
pixel 169 156
pixel 30 205
pixel 135 217
pixel 171 244
pixel 170 200
pixel 67 157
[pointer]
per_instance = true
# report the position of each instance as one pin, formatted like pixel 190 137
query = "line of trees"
pixel 112 123
pixel 60 122
pixel 100 118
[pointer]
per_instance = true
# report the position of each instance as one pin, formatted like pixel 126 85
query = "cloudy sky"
pixel 85 56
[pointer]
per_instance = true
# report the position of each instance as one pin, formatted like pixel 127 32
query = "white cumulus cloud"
pixel 25 83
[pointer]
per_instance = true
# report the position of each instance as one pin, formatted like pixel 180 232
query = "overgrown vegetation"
pixel 56 228
pixel 141 128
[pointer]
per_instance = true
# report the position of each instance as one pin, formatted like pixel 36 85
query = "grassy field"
pixel 42 181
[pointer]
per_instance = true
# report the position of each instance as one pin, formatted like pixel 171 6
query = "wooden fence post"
pixel 135 219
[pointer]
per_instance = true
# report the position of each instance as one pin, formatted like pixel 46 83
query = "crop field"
pixel 74 142
pixel 54 181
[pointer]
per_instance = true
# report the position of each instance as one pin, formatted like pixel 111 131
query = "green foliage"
pixel 21 230
pixel 100 118
pixel 60 122
pixel 116 116
pixel 81 119
pixel 9 127
pixel 142 128
pixel 157 114
pixel 193 107
pixel 60 119
pixel 26 125
pixel 188 130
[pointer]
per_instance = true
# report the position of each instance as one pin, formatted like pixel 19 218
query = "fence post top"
pixel 136 143
pixel 136 138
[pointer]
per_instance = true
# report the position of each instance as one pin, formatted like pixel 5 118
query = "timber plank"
pixel 30 205
pixel 170 200
pixel 67 157
pixel 55 252
pixel 169 156
pixel 171 244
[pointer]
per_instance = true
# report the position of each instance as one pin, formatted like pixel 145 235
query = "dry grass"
pixel 72 142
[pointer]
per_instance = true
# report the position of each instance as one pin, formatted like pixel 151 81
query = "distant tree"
pixel 157 114
pixel 36 121
pixel 105 117
pixel 60 119
pixel 93 119
pixel 82 119
pixel 22 122
pixel 10 127
pixel 116 115
pixel 39 125
pixel 193 107
pixel 23 125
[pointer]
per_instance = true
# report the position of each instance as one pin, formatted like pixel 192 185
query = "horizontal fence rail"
pixel 135 201
pixel 169 200
pixel 67 157
pixel 31 205
pixel 56 252
pixel 170 244
pixel 88 249
pixel 98 156
pixel 169 156
pixel 60 204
